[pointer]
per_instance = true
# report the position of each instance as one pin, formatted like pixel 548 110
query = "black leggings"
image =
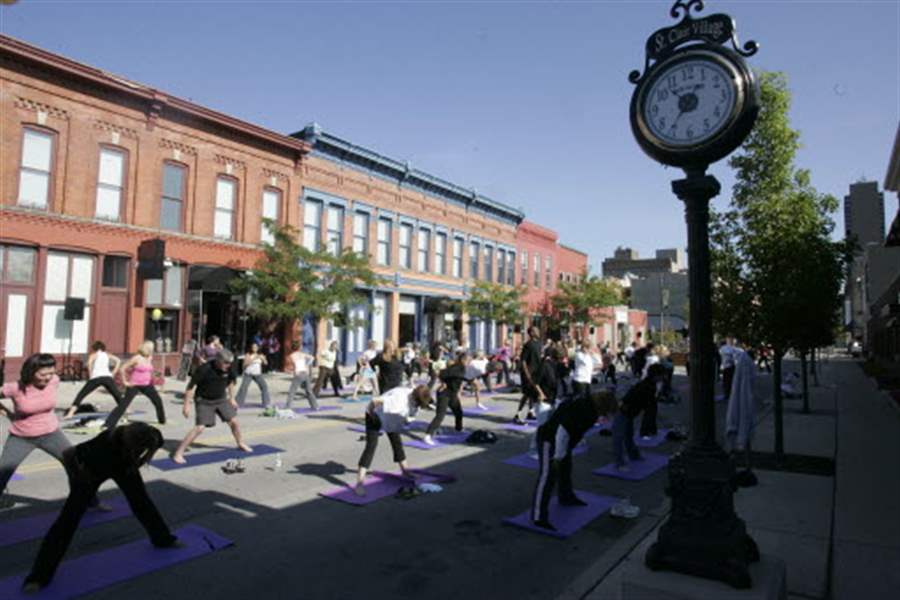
pixel 108 383
pixel 446 399
pixel 373 427
pixel 648 419
pixel 147 390
pixel 580 390
pixel 83 486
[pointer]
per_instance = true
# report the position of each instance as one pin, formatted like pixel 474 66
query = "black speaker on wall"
pixel 74 310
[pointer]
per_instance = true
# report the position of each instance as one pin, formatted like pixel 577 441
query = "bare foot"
pixel 359 489
pixel 179 459
pixel 245 447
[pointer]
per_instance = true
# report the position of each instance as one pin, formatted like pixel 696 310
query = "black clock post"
pixel 710 94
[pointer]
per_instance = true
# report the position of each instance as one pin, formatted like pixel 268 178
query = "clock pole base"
pixel 703 536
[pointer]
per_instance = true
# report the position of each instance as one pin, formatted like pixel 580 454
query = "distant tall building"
pixel 627 261
pixel 863 220
pixel 658 285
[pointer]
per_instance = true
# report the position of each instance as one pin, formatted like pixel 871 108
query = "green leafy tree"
pixel 489 301
pixel 776 271
pixel 290 282
pixel 578 304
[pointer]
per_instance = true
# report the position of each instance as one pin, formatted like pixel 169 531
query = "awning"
pixel 211 279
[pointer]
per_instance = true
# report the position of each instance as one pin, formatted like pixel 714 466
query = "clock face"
pixel 690 102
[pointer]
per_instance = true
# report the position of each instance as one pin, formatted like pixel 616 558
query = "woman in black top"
pixel 115 454
pixel 452 379
pixel 389 366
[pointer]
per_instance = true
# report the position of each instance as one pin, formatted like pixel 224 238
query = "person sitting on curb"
pixel 557 438
pixel 389 413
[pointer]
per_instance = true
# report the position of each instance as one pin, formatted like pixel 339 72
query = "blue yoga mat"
pixel 195 459
pixel 96 571
pixel 36 526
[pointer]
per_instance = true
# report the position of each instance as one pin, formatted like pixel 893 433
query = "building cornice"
pixel 158 102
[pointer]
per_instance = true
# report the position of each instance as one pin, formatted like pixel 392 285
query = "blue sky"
pixel 525 101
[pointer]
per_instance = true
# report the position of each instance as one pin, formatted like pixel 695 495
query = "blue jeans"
pixel 623 439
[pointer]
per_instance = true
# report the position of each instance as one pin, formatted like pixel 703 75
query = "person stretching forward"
pixel 215 395
pixel 389 413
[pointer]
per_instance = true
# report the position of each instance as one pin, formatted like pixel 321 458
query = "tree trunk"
pixel 777 355
pixel 815 368
pixel 805 372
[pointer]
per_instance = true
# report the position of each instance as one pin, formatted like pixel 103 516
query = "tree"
pixel 776 271
pixel 290 282
pixel 489 301
pixel 579 303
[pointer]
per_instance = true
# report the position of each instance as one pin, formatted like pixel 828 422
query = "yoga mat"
pixel 36 526
pixel 566 519
pixel 195 459
pixel 99 415
pixel 381 485
pixel 524 460
pixel 477 412
pixel 362 398
pixel 527 428
pixel 639 469
pixel 308 411
pixel 96 571
pixel 654 441
pixel 17 477
pixel 441 439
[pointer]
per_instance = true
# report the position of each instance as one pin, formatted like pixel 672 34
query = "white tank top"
pixel 100 366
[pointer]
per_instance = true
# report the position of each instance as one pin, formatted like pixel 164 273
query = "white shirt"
pixel 408 356
pixel 584 367
pixel 370 354
pixel 301 367
pixel 394 408
pixel 254 367
pixel 652 359
pixel 100 366
pixel 629 352
pixel 476 367
pixel 327 358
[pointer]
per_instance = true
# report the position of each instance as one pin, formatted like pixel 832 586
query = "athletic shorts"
pixel 207 410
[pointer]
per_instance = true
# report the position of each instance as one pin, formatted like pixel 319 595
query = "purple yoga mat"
pixel 639 469
pixel 308 411
pixel 381 485
pixel 524 460
pixel 527 428
pixel 654 441
pixel 195 459
pixel 443 439
pixel 36 526
pixel 566 519
pixel 477 412
pixel 17 477
pixel 96 571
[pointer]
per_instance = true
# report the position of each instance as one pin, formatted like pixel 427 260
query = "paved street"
pixel 291 543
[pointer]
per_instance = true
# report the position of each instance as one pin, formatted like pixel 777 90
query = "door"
pixel 356 337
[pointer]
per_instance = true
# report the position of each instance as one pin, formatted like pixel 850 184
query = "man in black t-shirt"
pixel 530 364
pixel 214 382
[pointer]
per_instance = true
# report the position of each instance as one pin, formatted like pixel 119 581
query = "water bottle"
pixel 278 460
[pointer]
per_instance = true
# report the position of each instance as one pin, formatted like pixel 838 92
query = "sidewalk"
pixel 839 536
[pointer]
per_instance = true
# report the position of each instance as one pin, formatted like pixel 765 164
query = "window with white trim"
pixel 440 253
pixel 173 192
pixel 405 244
pixel 548 271
pixel 361 233
pixel 489 263
pixel 271 206
pixel 474 256
pixel 501 265
pixel 110 184
pixel 511 268
pixel 67 275
pixel 524 268
pixel 384 241
pixel 36 167
pixel 537 270
pixel 335 232
pixel 226 192
pixel 312 224
pixel 424 247
pixel 457 256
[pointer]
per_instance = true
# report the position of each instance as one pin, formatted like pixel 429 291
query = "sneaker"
pixel 517 420
pixel 625 510
pixel 481 406
pixel 429 440
pixel 646 437
pixel 533 455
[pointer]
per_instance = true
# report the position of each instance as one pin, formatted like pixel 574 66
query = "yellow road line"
pixel 321 424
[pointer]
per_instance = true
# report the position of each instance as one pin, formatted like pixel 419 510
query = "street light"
pixel 693 106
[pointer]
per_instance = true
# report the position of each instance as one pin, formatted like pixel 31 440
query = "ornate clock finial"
pixel 697 5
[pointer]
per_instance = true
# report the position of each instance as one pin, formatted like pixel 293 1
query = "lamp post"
pixel 693 106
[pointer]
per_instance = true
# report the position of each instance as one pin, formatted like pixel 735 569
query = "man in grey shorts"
pixel 214 383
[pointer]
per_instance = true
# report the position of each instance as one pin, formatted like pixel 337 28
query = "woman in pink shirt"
pixel 138 380
pixel 33 422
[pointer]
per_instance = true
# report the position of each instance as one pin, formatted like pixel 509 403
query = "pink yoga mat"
pixel 638 469
pixel 566 519
pixel 96 571
pixel 381 485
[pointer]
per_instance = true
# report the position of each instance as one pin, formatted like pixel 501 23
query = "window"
pixel 34 174
pixel 361 233
pixel 110 181
pixel 537 270
pixel 511 268
pixel 501 266
pixel 384 241
pixel 524 268
pixel 16 271
pixel 424 243
pixel 223 223
pixel 164 332
pixel 115 271
pixel 548 272
pixel 165 291
pixel 174 177
pixel 440 254
pixel 489 263
pixel 165 294
pixel 457 257
pixel 335 233
pixel 405 246
pixel 67 275
pixel 271 206
pixel 474 250
pixel 312 222
pixel 17 264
